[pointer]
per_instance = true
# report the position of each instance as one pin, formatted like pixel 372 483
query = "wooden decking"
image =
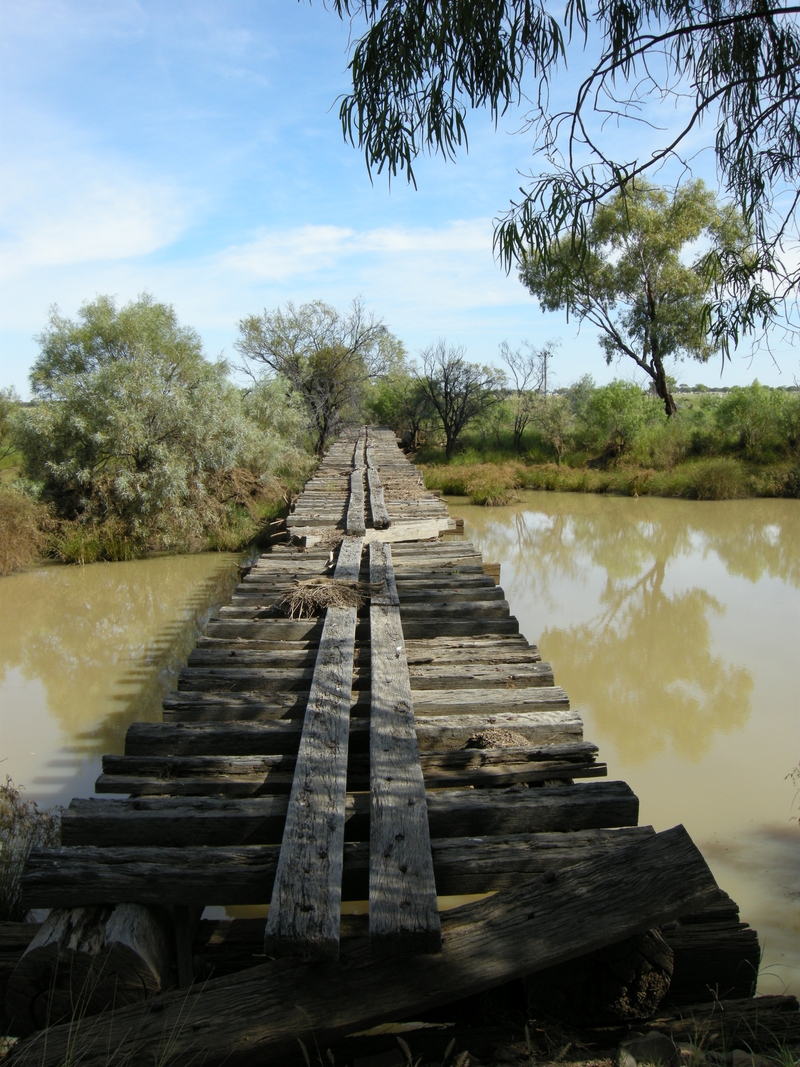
pixel 414 748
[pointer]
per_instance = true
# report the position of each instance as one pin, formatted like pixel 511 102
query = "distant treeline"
pixel 721 444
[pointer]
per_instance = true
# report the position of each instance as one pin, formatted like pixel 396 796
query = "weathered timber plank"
pixel 355 507
pixel 199 707
pixel 146 739
pixel 306 897
pixel 510 700
pixel 254 679
pixel 71 877
pixel 219 706
pixel 444 608
pixel 242 776
pixel 245 621
pixel 216 652
pixel 377 506
pixel 247 1018
pixel 245 673
pixel 403 913
pixel 182 821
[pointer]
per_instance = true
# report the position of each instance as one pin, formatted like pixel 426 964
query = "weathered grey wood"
pixel 219 707
pixel 259 1014
pixel 145 739
pixel 211 739
pixel 377 505
pixel 248 621
pixel 306 897
pixel 181 821
pixel 403 912
pixel 244 874
pixel 441 701
pixel 241 776
pixel 355 525
pixel 253 679
pixel 245 673
pixel 96 957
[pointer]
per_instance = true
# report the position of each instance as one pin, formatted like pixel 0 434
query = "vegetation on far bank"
pixel 136 443
pixel 615 438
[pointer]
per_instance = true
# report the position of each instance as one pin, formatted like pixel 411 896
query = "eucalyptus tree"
pixel 527 371
pixel 656 77
pixel 457 390
pixel 327 357
pixel 631 278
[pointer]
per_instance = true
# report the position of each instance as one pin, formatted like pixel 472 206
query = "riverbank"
pixel 31 534
pixel 496 483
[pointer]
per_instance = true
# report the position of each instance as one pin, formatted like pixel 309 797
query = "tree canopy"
pixel 457 390
pixel 132 423
pixel 326 357
pixel 727 66
pixel 631 279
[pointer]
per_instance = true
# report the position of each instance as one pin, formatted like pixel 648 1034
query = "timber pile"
pixel 417 748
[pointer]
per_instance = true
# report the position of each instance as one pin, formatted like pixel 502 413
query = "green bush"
pixel 613 417
pixel 753 417
pixel 722 478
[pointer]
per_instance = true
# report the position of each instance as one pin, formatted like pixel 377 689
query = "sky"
pixel 193 150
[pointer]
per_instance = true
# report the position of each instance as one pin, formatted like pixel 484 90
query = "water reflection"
pixel 84 651
pixel 673 627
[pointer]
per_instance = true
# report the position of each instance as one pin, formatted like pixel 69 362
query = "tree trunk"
pixel 85 960
pixel 662 387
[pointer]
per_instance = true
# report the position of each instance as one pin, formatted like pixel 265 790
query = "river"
pixel 85 651
pixel 674 626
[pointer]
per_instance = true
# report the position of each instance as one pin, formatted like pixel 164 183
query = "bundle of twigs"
pixel 315 595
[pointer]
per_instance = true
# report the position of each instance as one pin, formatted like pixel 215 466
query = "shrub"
pixel 492 485
pixel 23 529
pixel 614 415
pixel 722 478
pixel 754 415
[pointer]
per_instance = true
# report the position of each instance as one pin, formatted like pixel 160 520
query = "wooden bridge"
pixel 407 746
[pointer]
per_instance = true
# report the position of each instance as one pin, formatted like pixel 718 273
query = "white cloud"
pixel 284 254
pixel 65 207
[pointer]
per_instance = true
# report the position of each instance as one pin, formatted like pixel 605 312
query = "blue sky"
pixel 193 150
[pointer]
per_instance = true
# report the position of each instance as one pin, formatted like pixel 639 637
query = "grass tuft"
pixel 23 827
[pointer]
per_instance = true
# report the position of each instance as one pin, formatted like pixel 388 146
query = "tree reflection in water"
pixel 641 654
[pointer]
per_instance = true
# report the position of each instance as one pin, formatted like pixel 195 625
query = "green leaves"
pixel 731 66
pixel 132 424
pixel 421 66
pixel 630 277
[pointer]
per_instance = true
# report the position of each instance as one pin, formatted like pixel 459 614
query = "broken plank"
pixel 259 1014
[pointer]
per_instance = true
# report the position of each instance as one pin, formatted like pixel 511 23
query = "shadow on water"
pixel 85 651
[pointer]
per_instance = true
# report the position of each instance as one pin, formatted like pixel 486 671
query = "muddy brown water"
pixel 85 651
pixel 673 625
pixel 675 628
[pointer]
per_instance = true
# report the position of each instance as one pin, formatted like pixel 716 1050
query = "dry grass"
pixel 23 530
pixel 314 596
pixel 23 826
